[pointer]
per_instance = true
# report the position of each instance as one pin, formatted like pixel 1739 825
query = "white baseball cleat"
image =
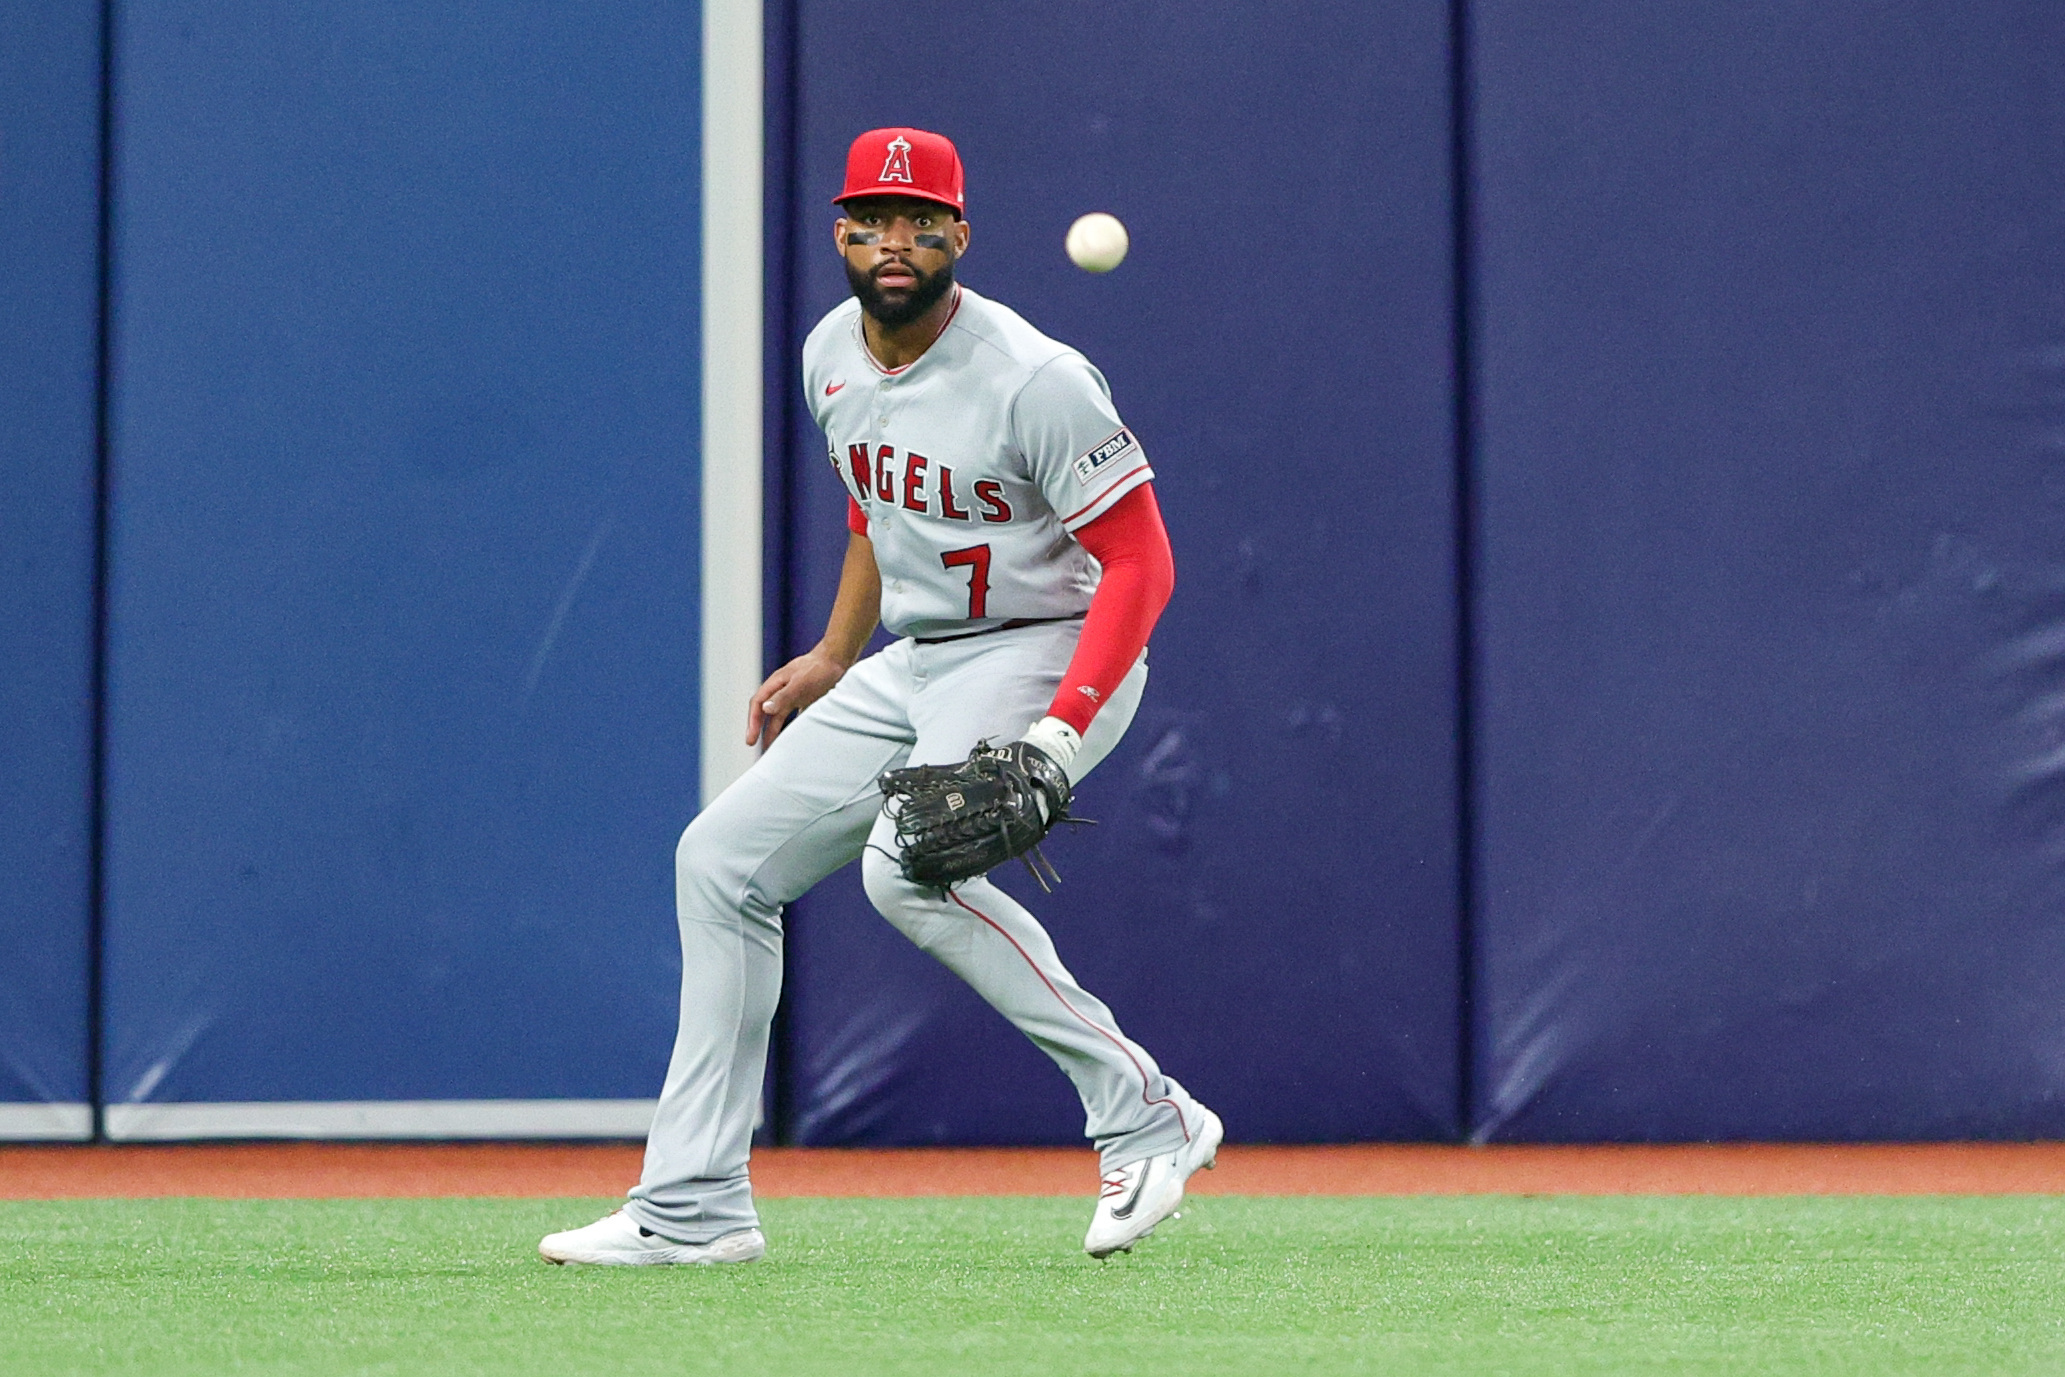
pixel 617 1240
pixel 1142 1194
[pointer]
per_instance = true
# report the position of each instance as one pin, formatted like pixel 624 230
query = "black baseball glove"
pixel 954 822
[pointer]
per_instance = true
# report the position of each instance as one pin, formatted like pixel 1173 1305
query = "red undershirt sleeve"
pixel 1139 574
pixel 856 519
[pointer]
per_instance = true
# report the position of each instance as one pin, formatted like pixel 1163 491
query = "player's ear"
pixel 960 239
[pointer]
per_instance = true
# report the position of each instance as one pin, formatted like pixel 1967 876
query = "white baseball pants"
pixel 806 808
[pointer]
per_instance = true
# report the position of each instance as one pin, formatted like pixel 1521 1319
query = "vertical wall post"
pixel 732 383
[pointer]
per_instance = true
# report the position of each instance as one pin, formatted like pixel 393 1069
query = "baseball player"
pixel 1004 527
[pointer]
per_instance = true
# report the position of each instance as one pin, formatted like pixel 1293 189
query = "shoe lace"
pixel 1114 1184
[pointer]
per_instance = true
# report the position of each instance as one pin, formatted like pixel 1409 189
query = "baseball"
pixel 1097 242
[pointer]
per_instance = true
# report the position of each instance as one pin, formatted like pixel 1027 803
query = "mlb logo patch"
pixel 1090 465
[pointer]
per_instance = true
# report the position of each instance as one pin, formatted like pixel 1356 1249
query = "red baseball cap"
pixel 904 162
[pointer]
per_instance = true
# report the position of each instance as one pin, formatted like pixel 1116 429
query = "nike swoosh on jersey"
pixel 830 388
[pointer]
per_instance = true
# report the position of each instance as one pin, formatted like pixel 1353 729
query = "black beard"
pixel 923 297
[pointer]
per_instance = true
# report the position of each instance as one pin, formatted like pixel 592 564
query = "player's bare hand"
pixel 789 690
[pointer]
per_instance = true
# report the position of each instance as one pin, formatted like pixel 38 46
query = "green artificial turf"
pixel 1457 1285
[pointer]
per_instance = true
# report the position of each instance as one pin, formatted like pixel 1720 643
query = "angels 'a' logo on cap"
pixel 897 166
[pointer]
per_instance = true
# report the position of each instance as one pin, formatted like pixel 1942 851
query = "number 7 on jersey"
pixel 976 557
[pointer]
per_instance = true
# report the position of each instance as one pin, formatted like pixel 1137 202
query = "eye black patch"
pixel 861 237
pixel 930 241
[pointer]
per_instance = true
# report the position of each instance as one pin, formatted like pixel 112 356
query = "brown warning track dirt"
pixel 305 1170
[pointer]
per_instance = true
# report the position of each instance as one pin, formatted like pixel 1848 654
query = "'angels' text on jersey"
pixel 973 465
pixel 885 475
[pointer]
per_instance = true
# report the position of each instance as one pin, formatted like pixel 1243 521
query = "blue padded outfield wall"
pixel 1759 355
pixel 1771 457
pixel 403 628
pixel 49 301
pixel 1280 339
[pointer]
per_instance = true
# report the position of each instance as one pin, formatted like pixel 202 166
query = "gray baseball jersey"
pixel 973 465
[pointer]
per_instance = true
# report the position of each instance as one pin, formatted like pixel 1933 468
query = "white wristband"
pixel 1057 740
